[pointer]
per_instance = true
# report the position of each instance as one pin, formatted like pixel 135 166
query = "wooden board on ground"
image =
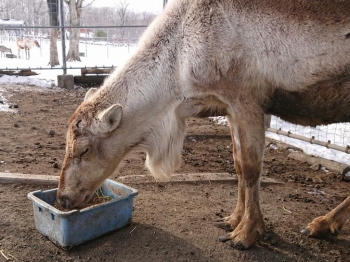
pixel 24 72
pixel 6 178
pixel 329 164
pixel 11 178
pixel 193 178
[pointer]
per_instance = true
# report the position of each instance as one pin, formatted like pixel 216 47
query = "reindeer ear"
pixel 89 93
pixel 109 119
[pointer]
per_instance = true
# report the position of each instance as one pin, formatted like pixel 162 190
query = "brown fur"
pixel 240 58
pixel 26 44
pixel 320 104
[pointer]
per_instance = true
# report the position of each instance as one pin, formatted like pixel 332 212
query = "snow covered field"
pixel 98 54
pixel 338 134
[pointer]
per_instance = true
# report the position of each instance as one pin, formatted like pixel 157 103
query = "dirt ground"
pixel 171 222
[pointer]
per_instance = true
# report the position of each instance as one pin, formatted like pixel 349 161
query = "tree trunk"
pixel 74 18
pixel 53 47
pixel 53 13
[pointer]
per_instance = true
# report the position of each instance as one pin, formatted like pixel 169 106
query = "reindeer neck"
pixel 149 76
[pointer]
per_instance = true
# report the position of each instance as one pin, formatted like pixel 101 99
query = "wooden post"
pixel 267 120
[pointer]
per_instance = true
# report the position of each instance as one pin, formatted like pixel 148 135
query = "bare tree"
pixel 123 12
pixel 38 11
pixel 123 15
pixel 4 9
pixel 75 10
pixel 81 12
pixel 53 13
pixel 145 18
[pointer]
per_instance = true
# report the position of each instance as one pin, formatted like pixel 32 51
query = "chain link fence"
pixel 107 51
pixel 334 136
pixel 108 35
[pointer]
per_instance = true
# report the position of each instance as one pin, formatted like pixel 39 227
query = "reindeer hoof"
pixel 224 238
pixel 221 219
pixel 223 224
pixel 227 240
pixel 305 231
pixel 335 232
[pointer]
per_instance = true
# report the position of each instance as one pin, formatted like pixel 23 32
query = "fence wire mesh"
pixel 107 35
pixel 336 136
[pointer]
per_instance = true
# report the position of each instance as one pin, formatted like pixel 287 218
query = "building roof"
pixel 11 22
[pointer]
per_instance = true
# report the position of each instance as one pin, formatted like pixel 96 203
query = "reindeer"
pixel 26 44
pixel 4 50
pixel 239 58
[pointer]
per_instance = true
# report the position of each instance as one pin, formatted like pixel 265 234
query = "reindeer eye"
pixel 84 152
pixel 78 124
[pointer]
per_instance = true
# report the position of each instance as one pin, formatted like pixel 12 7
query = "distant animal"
pixel 26 44
pixel 4 50
pixel 240 58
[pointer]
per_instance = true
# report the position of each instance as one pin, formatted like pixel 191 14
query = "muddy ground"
pixel 171 222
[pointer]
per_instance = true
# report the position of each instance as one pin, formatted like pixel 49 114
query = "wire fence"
pixel 109 34
pixel 334 136
pixel 95 51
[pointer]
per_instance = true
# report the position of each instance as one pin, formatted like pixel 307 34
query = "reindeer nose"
pixel 63 200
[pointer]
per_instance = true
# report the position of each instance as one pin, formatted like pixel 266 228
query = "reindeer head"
pixel 36 43
pixel 91 154
pixel 99 136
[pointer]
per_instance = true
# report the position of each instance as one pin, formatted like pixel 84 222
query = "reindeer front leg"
pixel 331 223
pixel 247 128
pixel 231 222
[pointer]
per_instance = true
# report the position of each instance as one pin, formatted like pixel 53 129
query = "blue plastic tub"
pixel 68 229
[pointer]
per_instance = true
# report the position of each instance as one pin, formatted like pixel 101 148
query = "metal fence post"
pixel 63 38
pixel 267 121
pixel 107 43
pixel 86 40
